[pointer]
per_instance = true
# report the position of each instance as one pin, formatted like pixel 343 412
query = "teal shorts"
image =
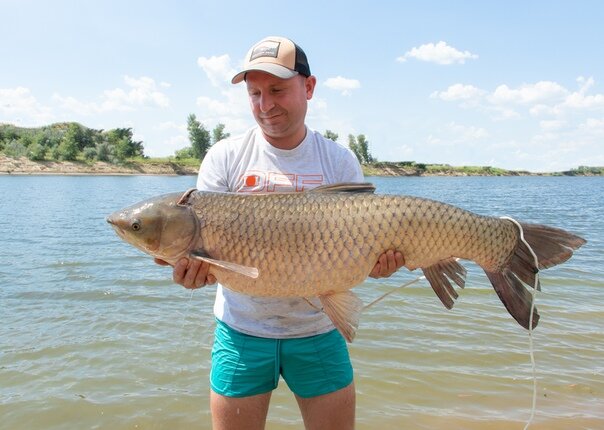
pixel 244 365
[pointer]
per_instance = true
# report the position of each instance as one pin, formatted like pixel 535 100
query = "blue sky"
pixel 511 84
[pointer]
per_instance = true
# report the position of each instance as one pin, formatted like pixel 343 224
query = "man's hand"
pixel 388 263
pixel 190 273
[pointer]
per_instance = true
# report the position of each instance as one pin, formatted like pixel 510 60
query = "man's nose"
pixel 266 102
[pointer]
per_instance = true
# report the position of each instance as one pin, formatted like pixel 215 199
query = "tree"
pixel 199 137
pixel 123 146
pixel 218 133
pixel 36 151
pixel 331 135
pixel 103 152
pixel 360 147
pixel 184 153
pixel 68 148
pixel 354 147
pixel 15 149
pixel 364 149
pixel 90 153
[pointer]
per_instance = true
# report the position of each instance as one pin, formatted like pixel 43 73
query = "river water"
pixel 94 335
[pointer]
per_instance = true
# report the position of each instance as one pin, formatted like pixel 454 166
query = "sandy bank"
pixel 24 166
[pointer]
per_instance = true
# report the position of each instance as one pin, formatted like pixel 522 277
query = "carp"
pixel 323 242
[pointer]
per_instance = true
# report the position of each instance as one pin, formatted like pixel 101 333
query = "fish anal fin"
pixel 439 274
pixel 345 187
pixel 250 272
pixel 343 309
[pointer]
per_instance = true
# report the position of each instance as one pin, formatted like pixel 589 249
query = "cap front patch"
pixel 266 49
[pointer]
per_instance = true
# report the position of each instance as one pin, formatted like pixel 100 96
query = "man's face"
pixel 279 105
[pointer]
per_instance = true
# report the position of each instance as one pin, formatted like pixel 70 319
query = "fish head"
pixel 159 226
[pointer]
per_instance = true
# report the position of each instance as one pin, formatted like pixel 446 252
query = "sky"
pixel 510 84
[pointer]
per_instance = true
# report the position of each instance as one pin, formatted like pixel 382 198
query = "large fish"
pixel 325 241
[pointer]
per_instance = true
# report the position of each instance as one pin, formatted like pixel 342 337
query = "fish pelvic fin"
pixel 250 272
pixel 551 246
pixel 439 276
pixel 343 309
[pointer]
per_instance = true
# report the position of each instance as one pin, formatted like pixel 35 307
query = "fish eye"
pixel 136 225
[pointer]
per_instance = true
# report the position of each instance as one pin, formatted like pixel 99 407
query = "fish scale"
pixel 294 232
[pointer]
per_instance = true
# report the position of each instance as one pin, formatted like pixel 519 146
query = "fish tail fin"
pixel 551 246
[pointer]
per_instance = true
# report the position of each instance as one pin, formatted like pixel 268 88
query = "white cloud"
pixel 466 133
pixel 593 123
pixel 231 107
pixel 342 84
pixel 579 100
pixel 19 105
pixel 552 125
pixel 214 107
pixel 142 92
pixel 529 93
pixel 171 125
pixel 541 99
pixel 439 53
pixel 217 69
pixel 459 92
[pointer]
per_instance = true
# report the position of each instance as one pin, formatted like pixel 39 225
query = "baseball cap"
pixel 278 56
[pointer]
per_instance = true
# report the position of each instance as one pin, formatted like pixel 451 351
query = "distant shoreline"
pixel 24 166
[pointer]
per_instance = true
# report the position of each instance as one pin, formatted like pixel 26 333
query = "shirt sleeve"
pixel 351 170
pixel 213 174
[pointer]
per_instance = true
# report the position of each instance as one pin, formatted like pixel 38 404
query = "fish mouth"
pixel 113 223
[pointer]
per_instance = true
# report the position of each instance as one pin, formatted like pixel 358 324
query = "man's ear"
pixel 309 83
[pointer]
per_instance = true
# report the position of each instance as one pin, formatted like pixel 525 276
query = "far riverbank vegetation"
pixel 71 141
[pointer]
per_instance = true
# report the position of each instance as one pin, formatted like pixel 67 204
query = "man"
pixel 258 339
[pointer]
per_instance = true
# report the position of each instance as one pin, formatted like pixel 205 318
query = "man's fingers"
pixel 161 262
pixel 191 275
pixel 180 268
pixel 388 263
pixel 400 259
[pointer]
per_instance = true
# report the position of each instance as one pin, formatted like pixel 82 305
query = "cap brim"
pixel 273 69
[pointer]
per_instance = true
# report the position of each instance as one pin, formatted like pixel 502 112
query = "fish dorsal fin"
pixel 250 272
pixel 343 309
pixel 345 187
pixel 185 197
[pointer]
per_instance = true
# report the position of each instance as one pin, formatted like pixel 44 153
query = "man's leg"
pixel 236 413
pixel 318 370
pixel 333 411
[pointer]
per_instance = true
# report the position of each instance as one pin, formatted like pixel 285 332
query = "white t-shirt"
pixel 249 164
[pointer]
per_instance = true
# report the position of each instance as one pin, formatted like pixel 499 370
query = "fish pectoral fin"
pixel 250 272
pixel 343 309
pixel 345 187
pixel 438 276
